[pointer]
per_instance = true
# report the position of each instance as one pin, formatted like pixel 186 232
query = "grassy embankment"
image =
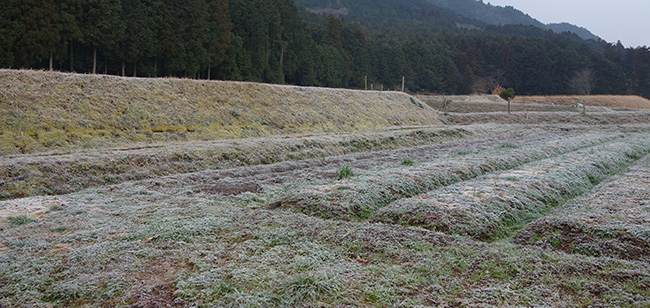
pixel 44 111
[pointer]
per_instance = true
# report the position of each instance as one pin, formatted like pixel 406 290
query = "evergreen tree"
pixel 141 20
pixel 103 28
pixel 39 32
pixel 219 36
pixel 8 31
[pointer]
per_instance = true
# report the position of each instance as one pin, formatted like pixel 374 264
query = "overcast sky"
pixel 612 20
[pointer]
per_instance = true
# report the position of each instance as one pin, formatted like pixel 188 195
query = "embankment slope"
pixel 42 111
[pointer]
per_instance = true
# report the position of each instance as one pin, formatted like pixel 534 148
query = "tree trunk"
pixel 209 72
pixel 94 60
pixel 155 68
pixel 71 56
pixel 105 66
pixel 135 67
pixel 51 61
pixel 508 106
pixel 123 68
pixel 282 63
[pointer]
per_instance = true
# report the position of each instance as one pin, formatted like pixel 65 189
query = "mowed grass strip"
pixel 360 197
pixel 492 207
pixel 611 221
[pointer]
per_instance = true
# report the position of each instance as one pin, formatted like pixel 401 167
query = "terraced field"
pixel 480 215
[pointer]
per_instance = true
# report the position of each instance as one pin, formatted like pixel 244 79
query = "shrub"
pixel 19 220
pixel 344 172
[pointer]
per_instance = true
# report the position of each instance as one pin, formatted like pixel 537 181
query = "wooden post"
pixel 403 80
pixel 444 103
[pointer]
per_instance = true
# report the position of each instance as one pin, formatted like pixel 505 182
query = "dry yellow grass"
pixel 610 101
pixel 49 110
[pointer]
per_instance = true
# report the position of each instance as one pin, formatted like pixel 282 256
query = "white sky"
pixel 612 20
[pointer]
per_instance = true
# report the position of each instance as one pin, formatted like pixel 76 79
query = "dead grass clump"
pixel 367 194
pixel 488 208
pixel 46 110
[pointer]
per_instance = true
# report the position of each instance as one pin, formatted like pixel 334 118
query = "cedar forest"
pixel 279 41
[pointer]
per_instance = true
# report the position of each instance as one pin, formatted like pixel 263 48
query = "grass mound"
pixel 48 110
pixel 612 221
pixel 360 198
pixel 488 208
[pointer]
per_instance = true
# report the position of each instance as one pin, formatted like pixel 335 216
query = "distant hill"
pixel 498 15
pixel 487 13
pixel 374 13
pixel 580 31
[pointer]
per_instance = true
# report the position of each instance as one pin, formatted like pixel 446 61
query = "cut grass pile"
pixel 491 207
pixel 609 101
pixel 134 247
pixel 40 174
pixel 360 197
pixel 612 221
pixel 42 111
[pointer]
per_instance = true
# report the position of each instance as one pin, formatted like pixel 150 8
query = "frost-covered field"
pixel 482 215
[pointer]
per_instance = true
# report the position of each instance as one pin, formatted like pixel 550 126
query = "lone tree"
pixel 507 94
pixel 582 82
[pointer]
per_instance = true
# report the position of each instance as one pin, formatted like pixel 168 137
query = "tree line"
pixel 277 41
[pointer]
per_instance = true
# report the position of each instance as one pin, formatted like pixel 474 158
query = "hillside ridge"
pixel 45 110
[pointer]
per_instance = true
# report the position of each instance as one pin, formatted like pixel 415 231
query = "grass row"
pixel 59 174
pixel 494 206
pixel 360 197
pixel 613 220
pixel 140 248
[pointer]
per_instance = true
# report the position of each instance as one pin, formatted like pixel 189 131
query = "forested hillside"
pixel 279 41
